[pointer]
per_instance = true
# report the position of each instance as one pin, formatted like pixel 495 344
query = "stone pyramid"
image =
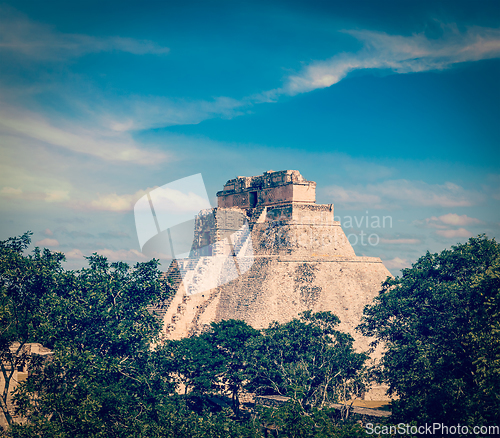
pixel 296 258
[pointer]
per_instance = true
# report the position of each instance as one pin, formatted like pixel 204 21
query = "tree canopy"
pixel 308 360
pixel 26 282
pixel 440 323
pixel 110 374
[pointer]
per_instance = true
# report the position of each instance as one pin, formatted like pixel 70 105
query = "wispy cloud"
pixel 166 200
pixel 400 54
pixel 396 263
pixel 76 234
pixel 394 194
pixel 47 243
pixel 114 235
pixel 47 196
pixel 400 241
pixel 451 234
pixel 109 202
pixel 39 41
pixel 28 172
pixel 452 219
pixel 11 191
pixel 443 224
pixel 109 145
pixel 138 113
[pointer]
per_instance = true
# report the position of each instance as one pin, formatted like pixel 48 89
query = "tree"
pixel 102 379
pixel 194 363
pixel 290 420
pixel 231 338
pixel 109 376
pixel 308 360
pixel 25 283
pixel 213 362
pixel 440 323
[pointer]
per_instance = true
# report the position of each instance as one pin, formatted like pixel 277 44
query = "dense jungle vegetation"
pixel 111 374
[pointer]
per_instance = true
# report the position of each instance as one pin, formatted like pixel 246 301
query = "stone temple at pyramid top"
pixel 271 188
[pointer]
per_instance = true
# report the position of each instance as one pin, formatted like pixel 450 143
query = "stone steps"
pixel 256 215
pixel 174 278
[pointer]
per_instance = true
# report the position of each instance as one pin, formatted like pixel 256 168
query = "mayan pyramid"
pixel 294 257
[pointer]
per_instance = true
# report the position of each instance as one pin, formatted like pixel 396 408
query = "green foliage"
pixel 305 359
pixel 195 364
pixel 291 421
pixel 440 323
pixel 212 363
pixel 230 339
pixel 485 337
pixel 173 420
pixel 97 323
pixel 111 376
pixel 25 283
pixel 308 360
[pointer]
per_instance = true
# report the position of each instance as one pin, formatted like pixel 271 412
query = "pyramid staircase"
pixel 258 215
pixel 174 279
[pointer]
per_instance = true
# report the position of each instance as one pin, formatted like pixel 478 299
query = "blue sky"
pixel 391 107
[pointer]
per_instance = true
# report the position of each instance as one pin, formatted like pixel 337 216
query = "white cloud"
pixel 154 112
pixel 74 254
pixel 442 224
pixel 110 202
pixel 48 232
pixel 455 220
pixel 47 243
pixel 105 144
pixel 47 196
pixel 349 196
pixel 28 172
pixel 399 193
pixel 397 263
pixel 401 54
pixel 122 255
pixel 166 200
pixel 450 234
pixel 400 241
pixel 114 202
pixel 108 125
pixel 11 191
pixel 57 196
pixel 42 42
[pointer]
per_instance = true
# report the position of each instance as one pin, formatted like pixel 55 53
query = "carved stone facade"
pixel 271 188
pixel 301 260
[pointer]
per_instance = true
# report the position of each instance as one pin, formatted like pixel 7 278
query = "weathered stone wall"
pixel 271 188
pixel 279 288
pixel 212 227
